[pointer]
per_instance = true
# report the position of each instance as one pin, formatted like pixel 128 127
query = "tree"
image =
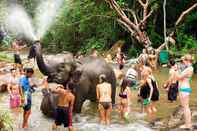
pixel 137 25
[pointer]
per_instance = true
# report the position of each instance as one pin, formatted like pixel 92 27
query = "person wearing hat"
pixel 104 92
pixel 184 79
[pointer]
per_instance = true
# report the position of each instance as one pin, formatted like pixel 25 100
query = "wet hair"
pixel 172 62
pixel 29 70
pixel 102 78
pixel 123 85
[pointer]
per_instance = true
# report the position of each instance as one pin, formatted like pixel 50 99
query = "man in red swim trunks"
pixel 64 107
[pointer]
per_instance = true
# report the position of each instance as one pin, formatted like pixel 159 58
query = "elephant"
pixel 83 74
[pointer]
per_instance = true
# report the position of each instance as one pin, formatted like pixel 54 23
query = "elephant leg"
pixel 113 90
pixel 113 95
pixel 78 103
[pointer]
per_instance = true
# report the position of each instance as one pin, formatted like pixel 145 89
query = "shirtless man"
pixel 103 92
pixel 64 107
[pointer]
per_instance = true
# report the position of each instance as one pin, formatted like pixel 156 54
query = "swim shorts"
pixel 63 116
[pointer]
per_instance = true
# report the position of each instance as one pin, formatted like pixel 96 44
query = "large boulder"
pixel 3 87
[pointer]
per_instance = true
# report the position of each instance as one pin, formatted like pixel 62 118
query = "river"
pixel 89 116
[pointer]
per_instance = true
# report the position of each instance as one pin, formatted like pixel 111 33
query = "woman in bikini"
pixel 124 100
pixel 185 89
pixel 103 92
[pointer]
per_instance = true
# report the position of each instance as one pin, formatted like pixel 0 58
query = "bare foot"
pixel 25 126
pixel 185 126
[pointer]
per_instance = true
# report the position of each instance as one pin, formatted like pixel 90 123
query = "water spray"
pixel 18 22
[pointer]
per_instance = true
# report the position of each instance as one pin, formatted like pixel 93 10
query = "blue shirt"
pixel 24 83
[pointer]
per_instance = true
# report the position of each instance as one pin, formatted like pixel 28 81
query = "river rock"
pixel 176 119
pixel 3 87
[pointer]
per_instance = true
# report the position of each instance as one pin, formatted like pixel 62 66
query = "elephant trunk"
pixel 35 52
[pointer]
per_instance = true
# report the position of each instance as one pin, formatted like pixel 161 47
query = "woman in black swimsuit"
pixel 149 91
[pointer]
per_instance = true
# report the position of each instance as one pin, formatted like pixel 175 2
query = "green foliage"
pixel 5 121
pixel 81 26
pixel 5 57
pixel 121 2
pixel 155 37
pixel 185 43
pixel 132 52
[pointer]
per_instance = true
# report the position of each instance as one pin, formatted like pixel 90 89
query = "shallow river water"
pixel 89 117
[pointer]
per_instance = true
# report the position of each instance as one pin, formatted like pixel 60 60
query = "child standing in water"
pixel 13 89
pixel 172 83
pixel 104 92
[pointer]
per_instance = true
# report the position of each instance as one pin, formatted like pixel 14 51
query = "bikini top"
pixel 123 95
pixel 190 77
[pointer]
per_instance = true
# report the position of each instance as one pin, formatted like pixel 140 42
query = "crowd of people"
pixel 139 77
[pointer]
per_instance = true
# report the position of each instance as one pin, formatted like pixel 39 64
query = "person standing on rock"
pixel 17 59
pixel 184 78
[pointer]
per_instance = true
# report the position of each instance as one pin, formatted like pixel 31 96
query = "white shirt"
pixel 131 74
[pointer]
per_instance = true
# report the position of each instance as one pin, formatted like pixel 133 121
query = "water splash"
pixel 19 23
pixel 46 12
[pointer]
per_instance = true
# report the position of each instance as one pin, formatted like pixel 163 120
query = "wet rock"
pixel 176 119
pixel 3 87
